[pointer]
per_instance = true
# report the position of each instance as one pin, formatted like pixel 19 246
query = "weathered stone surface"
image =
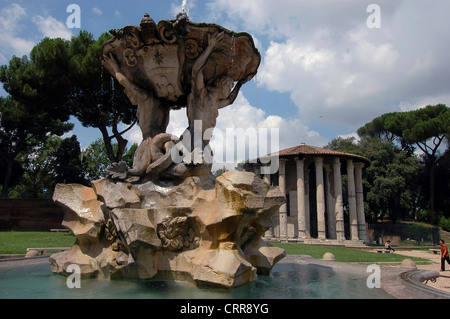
pixel 183 231
pixel 263 256
pixel 165 217
pixel 241 191
pixel 408 263
pixel 32 253
pixel 61 261
pixel 171 65
pixel 328 256
pixel 224 266
pixel 135 227
pixel 83 215
pixel 115 194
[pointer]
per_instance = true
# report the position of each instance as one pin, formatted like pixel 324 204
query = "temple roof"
pixel 304 150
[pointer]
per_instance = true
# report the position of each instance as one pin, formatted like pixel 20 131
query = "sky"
pixel 328 67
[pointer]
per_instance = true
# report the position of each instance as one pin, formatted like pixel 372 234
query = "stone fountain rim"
pixel 400 283
pixel 397 282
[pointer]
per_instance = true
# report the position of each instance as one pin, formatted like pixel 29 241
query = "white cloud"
pixel 19 46
pixel 331 63
pixel 351 135
pixel 414 104
pixel 240 117
pixel 243 116
pixel 97 11
pixel 178 122
pixel 284 61
pixel 13 20
pixel 384 55
pixel 177 125
pixel 52 28
pixel 134 135
pixel 11 44
pixel 273 18
pixel 10 16
pixel 324 79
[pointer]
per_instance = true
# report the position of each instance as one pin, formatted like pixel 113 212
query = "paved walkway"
pixel 443 282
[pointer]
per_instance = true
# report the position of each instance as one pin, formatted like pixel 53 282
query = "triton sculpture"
pixel 165 217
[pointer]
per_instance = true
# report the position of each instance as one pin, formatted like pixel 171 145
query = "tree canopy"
pixel 390 182
pixel 54 160
pixel 95 159
pixel 59 79
pixel 62 78
pixel 426 129
pixel 98 100
pixel 20 131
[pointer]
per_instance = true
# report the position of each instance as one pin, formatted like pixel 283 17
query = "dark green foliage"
pixel 391 182
pixel 427 129
pixel 68 168
pixel 95 159
pixel 98 100
pixel 52 161
pixel 20 132
pixel 59 79
pixel 445 223
pixel 63 78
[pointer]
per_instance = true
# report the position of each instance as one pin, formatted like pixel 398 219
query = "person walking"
pixel 444 255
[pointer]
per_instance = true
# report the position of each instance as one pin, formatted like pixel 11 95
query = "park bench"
pixel 435 251
pixel 59 230
pixel 383 251
pixel 42 251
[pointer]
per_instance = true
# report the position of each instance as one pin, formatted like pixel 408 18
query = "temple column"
pixel 352 200
pixel 283 208
pixel 330 201
pixel 269 233
pixel 301 209
pixel 360 202
pixel 339 209
pixel 307 207
pixel 320 195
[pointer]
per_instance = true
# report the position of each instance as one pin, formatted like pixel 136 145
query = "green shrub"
pixel 445 223
pixel 425 215
pixel 419 232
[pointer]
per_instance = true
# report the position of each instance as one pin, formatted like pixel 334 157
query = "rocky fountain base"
pixel 190 231
pixel 165 218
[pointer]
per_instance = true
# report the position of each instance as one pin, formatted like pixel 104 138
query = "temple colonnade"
pixel 319 207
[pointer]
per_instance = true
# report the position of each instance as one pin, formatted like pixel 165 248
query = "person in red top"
pixel 444 254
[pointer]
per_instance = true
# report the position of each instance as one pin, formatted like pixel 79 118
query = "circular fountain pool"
pixel 292 278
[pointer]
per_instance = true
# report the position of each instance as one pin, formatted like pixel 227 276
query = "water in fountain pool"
pixel 287 281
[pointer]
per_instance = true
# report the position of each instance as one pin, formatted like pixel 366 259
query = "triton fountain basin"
pixel 296 277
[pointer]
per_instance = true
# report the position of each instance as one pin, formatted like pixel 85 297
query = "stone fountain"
pixel 166 217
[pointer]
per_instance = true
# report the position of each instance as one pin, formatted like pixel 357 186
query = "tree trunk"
pixel 122 143
pixel 7 181
pixel 108 146
pixel 431 195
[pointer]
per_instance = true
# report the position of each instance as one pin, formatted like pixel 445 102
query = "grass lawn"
pixel 341 254
pixel 18 242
